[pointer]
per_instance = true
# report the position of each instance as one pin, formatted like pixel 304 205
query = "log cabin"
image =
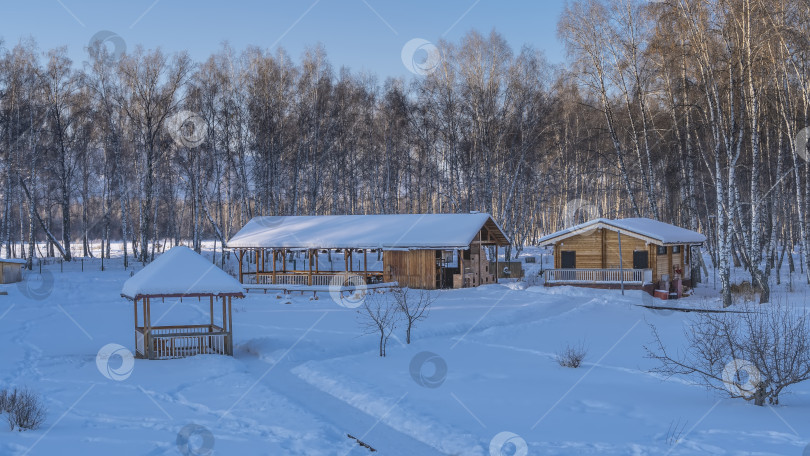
pixel 429 251
pixel 182 273
pixel 636 253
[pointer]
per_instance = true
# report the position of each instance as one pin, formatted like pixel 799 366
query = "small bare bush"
pixel 572 355
pixel 23 408
pixel 743 292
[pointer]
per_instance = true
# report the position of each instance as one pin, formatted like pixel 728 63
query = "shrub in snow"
pixel 743 292
pixel 414 305
pixel 754 354
pixel 23 409
pixel 572 355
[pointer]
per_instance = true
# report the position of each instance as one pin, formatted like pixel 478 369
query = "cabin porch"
pixel 597 276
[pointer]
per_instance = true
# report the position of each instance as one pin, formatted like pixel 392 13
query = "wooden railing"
pixel 629 276
pixel 168 342
pixel 302 278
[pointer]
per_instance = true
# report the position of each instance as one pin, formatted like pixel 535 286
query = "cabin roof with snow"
pixel 12 261
pixel 181 272
pixel 387 232
pixel 650 230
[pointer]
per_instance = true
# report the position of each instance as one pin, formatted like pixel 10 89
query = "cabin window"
pixel 676 249
pixel 640 259
pixel 661 250
pixel 568 259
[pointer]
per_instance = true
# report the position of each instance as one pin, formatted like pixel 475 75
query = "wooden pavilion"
pixel 427 251
pixel 177 274
pixel 635 252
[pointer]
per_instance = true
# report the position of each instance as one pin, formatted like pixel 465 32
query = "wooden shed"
pixel 181 274
pixel 418 250
pixel 11 270
pixel 633 251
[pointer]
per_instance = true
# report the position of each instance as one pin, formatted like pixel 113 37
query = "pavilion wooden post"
pixel 212 313
pixel 621 262
pixel 257 266
pixel 365 264
pixel 497 266
pixel 346 260
pixel 241 256
pixel 480 275
pixel 284 261
pixel 309 261
pixel 274 265
pixel 230 325
pixel 461 265
pixel 135 305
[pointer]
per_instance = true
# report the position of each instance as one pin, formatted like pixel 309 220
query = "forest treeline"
pixel 687 111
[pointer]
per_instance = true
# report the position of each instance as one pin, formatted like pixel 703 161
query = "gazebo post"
pixel 224 317
pixel 365 264
pixel 211 329
pixel 147 330
pixel 241 256
pixel 257 266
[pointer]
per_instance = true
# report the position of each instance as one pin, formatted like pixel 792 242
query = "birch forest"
pixel 692 112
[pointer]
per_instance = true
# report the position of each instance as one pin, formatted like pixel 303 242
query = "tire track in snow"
pixel 343 417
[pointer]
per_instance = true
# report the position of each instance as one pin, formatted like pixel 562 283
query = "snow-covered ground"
pixel 304 377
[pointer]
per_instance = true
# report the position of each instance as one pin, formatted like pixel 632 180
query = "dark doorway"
pixel 568 259
pixel 641 259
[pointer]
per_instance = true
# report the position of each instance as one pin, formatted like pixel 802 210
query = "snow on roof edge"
pixel 181 272
pixel 373 231
pixel 665 233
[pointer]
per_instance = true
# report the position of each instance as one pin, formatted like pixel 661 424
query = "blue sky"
pixel 361 34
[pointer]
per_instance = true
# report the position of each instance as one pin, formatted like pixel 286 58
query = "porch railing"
pixel 629 276
pixel 168 342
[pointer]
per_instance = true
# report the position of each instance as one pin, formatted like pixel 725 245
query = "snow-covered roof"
pixel 649 229
pixel 12 260
pixel 392 231
pixel 181 272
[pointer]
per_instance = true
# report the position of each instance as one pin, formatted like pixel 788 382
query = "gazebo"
pixel 182 273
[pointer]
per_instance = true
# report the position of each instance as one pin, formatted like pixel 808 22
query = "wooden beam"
pixel 604 248
pixel 365 264
pixel 669 268
pixel 274 265
pixel 212 310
